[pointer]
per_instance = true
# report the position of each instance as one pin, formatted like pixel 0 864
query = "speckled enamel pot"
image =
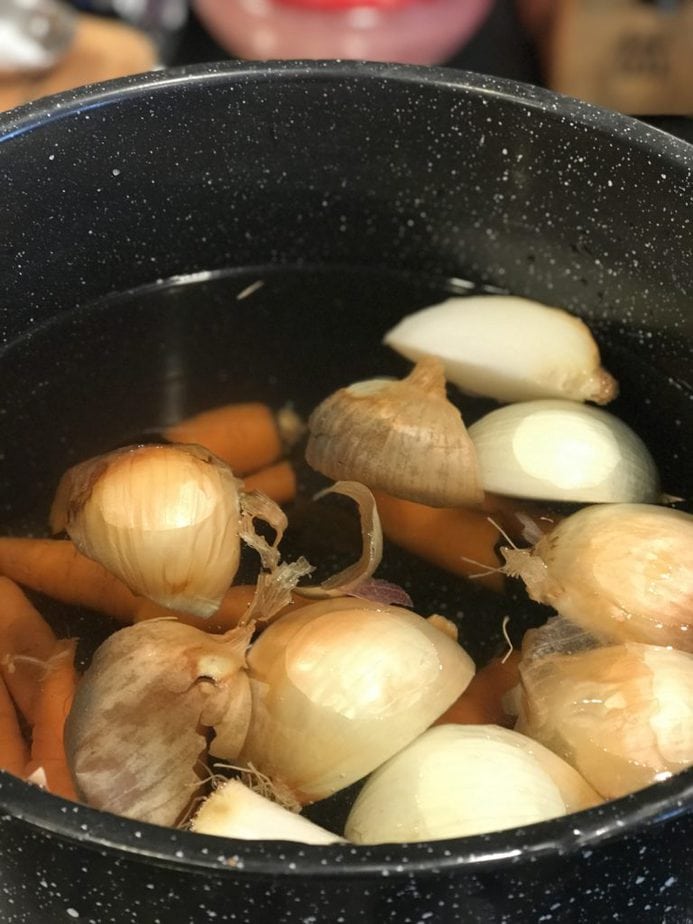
pixel 430 173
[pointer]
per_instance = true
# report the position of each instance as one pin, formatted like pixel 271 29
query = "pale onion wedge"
pixel 234 810
pixel 563 451
pixel 459 780
pixel 508 348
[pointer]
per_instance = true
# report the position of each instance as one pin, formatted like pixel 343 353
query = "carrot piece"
pixel 277 481
pixel 13 748
pixel 246 436
pixel 236 601
pixel 482 701
pixel 26 640
pixel 443 536
pixel 55 693
pixel 55 567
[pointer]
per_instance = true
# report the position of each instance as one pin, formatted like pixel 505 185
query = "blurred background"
pixel 635 56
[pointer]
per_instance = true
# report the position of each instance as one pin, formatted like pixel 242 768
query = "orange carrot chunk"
pixel 55 568
pixel 456 539
pixel 13 748
pixel 482 701
pixel 277 481
pixel 26 641
pixel 246 436
pixel 56 690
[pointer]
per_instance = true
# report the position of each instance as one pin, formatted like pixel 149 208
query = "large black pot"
pixel 375 185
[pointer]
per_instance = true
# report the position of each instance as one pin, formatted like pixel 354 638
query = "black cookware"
pixel 132 215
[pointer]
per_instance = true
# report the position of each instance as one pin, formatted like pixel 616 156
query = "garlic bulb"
pixel 164 519
pixel 459 780
pixel 563 451
pixel 507 348
pixel 234 810
pixel 621 715
pixel 341 685
pixel 402 437
pixel 136 736
pixel 620 571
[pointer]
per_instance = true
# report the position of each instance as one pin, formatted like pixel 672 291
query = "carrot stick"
pixel 277 481
pixel 482 701
pixel 443 536
pixel 54 567
pixel 234 604
pixel 236 601
pixel 13 747
pixel 246 436
pixel 26 641
pixel 56 691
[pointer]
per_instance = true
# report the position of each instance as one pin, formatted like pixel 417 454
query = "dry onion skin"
pixel 508 348
pixel 354 576
pixel 167 520
pixel 622 715
pixel 623 572
pixel 563 451
pixel 402 437
pixel 341 685
pixel 136 736
pixel 235 810
pixel 460 780
pixel 163 519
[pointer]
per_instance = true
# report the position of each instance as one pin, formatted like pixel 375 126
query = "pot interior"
pixel 129 307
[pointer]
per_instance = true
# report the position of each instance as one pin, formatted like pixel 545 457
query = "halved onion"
pixel 339 686
pixel 563 451
pixel 507 348
pixel 458 780
pixel 622 715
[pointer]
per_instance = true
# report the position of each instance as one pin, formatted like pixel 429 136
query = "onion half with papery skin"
pixel 622 715
pixel 623 572
pixel 164 519
pixel 136 736
pixel 341 685
pixel 459 780
pixel 402 437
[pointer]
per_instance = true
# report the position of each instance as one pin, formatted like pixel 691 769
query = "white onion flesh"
pixel 563 451
pixel 507 348
pixel 460 780
pixel 234 810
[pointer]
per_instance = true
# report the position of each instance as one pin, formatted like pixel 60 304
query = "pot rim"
pixel 559 837
pixel 49 109
pixel 167 847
